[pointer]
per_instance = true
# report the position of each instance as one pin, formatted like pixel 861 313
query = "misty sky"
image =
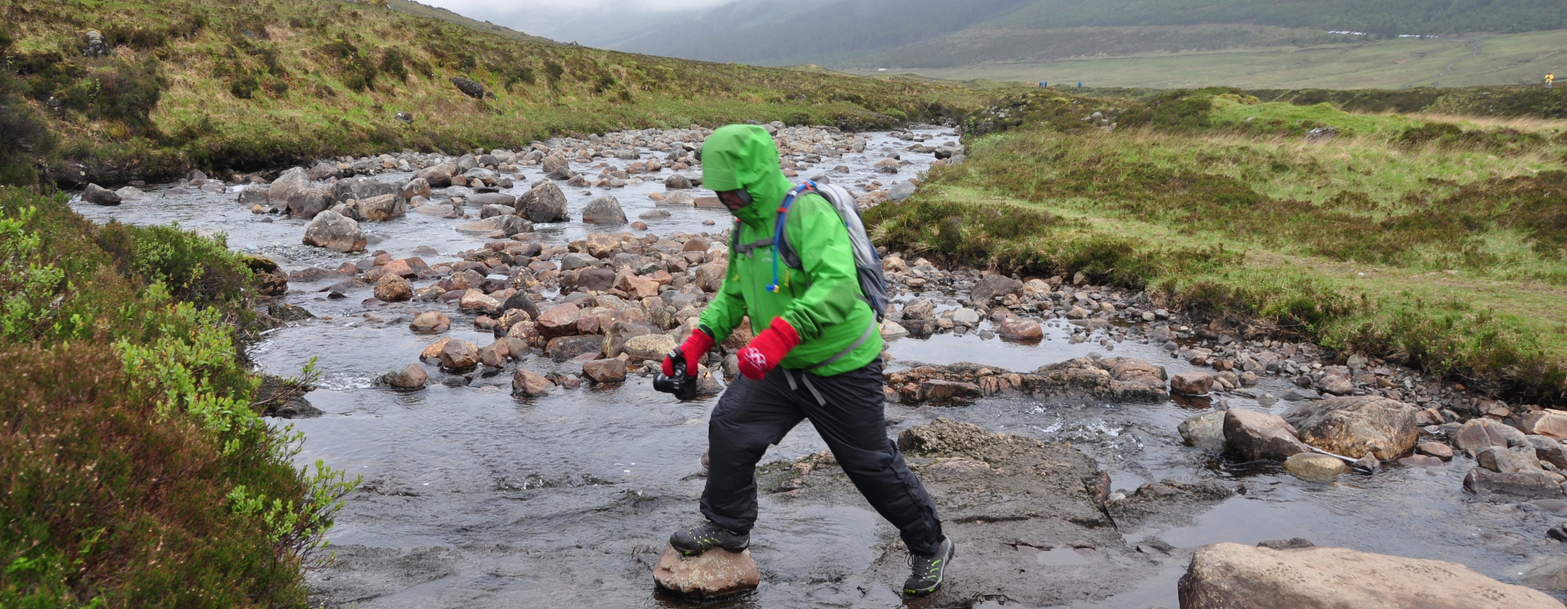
pixel 538 16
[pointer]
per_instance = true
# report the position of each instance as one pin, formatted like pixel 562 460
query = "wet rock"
pixel 1357 426
pixel 430 323
pixel 604 211
pixel 522 302
pixel 458 356
pixel 543 203
pixel 649 347
pixel 1530 483
pixel 1508 460
pixel 564 348
pixel 253 194
pixel 596 280
pixel 332 231
pixel 1020 330
pixel 1251 436
pixel 392 288
pixel 506 225
pixel 1436 449
pixel 1478 434
pixel 530 384
pixel 99 195
pixel 1119 379
pixel 307 203
pixel 323 170
pixel 988 288
pixel 438 176
pixel 412 377
pixel 605 371
pixel 288 183
pixel 1549 450
pixel 1204 431
pixel 936 391
pixel 714 574
pixel 380 208
pixel 1194 384
pixel 890 330
pixel 677 181
pixel 1315 467
pixel 1549 574
pixel 1335 384
pixel 495 354
pixel 1550 423
pixel 477 300
pixel 1230 576
pixel 559 321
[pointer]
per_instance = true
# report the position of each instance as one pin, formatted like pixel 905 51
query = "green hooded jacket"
pixel 822 298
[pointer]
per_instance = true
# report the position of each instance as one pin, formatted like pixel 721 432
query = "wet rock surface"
pixel 716 574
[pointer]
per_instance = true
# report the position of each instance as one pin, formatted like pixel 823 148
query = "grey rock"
pixel 543 203
pixel 305 203
pixel 604 211
pixel 331 230
pixel 100 196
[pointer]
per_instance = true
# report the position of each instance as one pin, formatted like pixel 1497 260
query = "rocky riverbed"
pixel 485 325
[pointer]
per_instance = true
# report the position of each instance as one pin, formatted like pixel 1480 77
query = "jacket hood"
pixel 745 156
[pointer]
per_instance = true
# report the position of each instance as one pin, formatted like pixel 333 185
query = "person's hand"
pixel 767 349
pixel 692 350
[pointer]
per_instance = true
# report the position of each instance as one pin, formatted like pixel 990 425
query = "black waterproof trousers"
pixel 847 410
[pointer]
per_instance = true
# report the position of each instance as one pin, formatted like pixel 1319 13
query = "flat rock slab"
pixel 715 574
pixel 1229 576
pixel 1013 505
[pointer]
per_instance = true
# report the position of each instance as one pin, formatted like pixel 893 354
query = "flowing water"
pixel 474 498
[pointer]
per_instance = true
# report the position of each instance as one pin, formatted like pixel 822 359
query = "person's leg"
pixel 853 423
pixel 750 416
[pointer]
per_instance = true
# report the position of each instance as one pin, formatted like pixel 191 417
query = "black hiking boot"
pixel 707 536
pixel 927 571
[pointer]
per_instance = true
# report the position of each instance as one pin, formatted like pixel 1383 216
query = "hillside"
pixel 1122 42
pixel 247 85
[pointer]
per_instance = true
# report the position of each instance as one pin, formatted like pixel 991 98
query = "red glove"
pixel 767 349
pixel 693 349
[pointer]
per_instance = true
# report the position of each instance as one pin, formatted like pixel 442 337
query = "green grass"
pixel 1478 60
pixel 1440 244
pixel 230 85
pixel 136 470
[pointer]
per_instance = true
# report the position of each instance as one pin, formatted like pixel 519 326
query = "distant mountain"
pixel 433 12
pixel 940 33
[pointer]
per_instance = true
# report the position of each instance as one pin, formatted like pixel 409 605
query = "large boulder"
pixel 101 196
pixel 604 211
pixel 1232 576
pixel 458 356
pixel 430 322
pixel 604 371
pixel 286 185
pixel 1194 384
pixel 1251 436
pixel 332 231
pixel 543 203
pixel 992 286
pixel 651 347
pixel 412 377
pixel 306 203
pixel 470 87
pixel 380 208
pixel 1550 423
pixel 1356 426
pixel 531 384
pixel 711 575
pixel 438 176
pixel 253 194
pixel 1527 483
pixel 1478 434
pixel 363 188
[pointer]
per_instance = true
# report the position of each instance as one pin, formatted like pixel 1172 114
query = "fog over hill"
pixel 940 33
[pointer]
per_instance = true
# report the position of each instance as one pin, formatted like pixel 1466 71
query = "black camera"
pixel 683 387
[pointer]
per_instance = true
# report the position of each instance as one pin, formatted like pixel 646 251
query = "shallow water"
pixel 474 498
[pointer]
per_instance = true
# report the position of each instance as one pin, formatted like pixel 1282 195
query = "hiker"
pixel 1550 78
pixel 816 355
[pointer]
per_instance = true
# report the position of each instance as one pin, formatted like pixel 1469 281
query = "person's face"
pixel 735 200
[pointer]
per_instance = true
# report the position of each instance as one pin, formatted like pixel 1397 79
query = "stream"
pixel 475 498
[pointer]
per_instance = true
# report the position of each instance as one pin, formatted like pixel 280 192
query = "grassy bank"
pixel 1436 241
pixel 136 471
pixel 244 85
